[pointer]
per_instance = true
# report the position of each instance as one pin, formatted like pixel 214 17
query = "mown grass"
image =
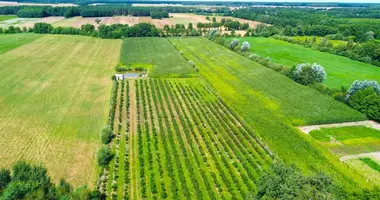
pixel 6 17
pixel 12 41
pixel 268 102
pixel 54 102
pixel 157 55
pixel 341 71
pixel 371 163
pixel 345 133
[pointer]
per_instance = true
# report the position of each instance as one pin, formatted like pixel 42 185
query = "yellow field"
pixel 54 98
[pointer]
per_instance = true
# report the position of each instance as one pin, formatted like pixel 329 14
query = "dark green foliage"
pixel 288 182
pixel 107 135
pixel 367 101
pixel 159 14
pixel 42 28
pixel 104 156
pixel 32 182
pixel 371 163
pixel 5 178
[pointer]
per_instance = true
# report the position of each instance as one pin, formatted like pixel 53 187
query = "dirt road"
pixel 133 131
pixel 368 123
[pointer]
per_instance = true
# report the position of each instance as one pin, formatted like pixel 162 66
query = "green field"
pixel 6 17
pixel 12 41
pixel 157 55
pixel 318 40
pixel 54 99
pixel 341 71
pixel 266 100
pixel 345 133
pixel 349 140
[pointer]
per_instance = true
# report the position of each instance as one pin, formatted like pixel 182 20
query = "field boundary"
pixel 367 123
pixel 350 157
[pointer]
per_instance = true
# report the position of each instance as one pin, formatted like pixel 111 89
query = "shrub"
pixel 367 101
pixel 234 43
pixel 104 156
pixel 358 85
pixel 107 135
pixel 307 74
pixel 245 46
pixel 213 34
pixel 288 182
pixel 5 178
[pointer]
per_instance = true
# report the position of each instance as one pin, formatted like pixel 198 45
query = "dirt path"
pixel 368 123
pixel 349 157
pixel 133 132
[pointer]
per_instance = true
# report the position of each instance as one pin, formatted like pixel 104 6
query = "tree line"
pixel 101 11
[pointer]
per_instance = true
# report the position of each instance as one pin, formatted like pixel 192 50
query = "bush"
pixel 367 101
pixel 234 43
pixel 307 74
pixel 288 182
pixel 5 178
pixel 107 135
pixel 104 156
pixel 245 46
pixel 358 85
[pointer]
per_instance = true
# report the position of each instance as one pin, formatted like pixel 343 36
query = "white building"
pixel 119 76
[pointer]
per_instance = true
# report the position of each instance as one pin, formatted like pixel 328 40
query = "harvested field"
pixel 54 101
pixel 28 22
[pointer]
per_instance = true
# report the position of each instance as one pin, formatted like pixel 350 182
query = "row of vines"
pixel 114 179
pixel 191 146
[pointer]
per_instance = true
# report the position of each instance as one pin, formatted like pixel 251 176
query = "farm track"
pixel 367 123
pixel 349 157
pixel 133 133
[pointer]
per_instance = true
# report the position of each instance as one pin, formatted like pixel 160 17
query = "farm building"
pixel 119 76
pixel 127 75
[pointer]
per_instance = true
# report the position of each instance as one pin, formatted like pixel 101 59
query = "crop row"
pixel 190 146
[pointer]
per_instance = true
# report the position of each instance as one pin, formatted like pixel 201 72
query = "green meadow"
pixel 6 17
pixel 270 103
pixel 341 71
pixel 12 41
pixel 157 55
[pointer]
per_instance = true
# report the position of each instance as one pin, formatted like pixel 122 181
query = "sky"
pixel 334 1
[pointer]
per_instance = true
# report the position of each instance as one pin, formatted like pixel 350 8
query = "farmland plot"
pixel 12 41
pixel 270 102
pixel 183 142
pixel 157 55
pixel 54 101
pixel 341 71
pixel 353 144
